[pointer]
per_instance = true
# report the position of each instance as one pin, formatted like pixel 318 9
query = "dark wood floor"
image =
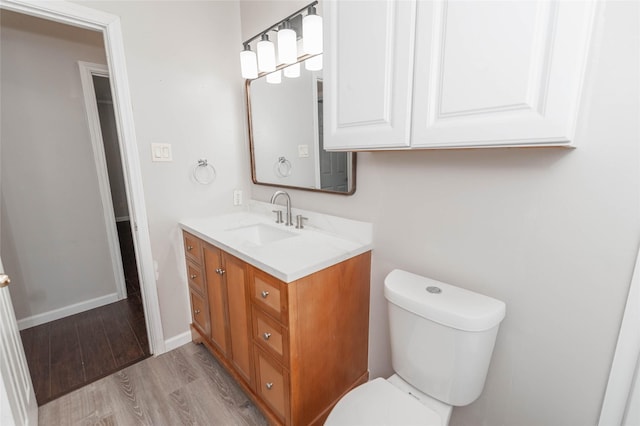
pixel 71 352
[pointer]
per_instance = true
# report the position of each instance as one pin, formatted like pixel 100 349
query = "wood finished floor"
pixel 68 353
pixel 185 386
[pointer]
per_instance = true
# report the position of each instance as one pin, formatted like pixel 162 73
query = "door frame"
pixel 87 71
pixel 109 25
pixel 626 359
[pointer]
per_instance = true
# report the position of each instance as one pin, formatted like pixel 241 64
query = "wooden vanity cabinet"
pixel 295 348
pixel 195 278
pixel 229 311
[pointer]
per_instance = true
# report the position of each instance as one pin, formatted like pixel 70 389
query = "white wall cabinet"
pixel 405 74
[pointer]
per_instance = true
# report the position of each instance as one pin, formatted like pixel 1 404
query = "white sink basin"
pixel 260 234
pixel 252 236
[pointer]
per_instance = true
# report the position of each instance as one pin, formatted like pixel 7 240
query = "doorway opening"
pixel 68 344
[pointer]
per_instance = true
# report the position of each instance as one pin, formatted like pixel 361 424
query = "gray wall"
pixel 552 232
pixel 186 90
pixel 54 242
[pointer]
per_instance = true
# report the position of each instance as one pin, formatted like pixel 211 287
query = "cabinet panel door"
pixel 368 73
pixel 194 276
pixel 272 384
pixel 216 295
pixel 192 247
pixel 499 72
pixel 236 277
pixel 199 312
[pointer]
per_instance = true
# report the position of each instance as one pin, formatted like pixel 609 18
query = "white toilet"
pixel 442 338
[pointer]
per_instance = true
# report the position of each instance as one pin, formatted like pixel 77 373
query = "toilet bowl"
pixel 387 402
pixel 442 339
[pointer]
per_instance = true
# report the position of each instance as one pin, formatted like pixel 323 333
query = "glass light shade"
pixel 292 71
pixel 314 64
pixel 275 77
pixel 312 34
pixel 287 46
pixel 248 64
pixel 266 55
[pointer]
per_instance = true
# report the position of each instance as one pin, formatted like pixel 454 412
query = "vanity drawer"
pixel 270 294
pixel 270 336
pixel 192 247
pixel 199 312
pixel 194 274
pixel 272 384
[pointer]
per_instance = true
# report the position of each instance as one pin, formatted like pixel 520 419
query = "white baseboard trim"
pixel 66 311
pixel 122 218
pixel 177 341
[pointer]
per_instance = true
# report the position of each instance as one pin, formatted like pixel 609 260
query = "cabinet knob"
pixel 196 312
pixel 266 336
pixel 220 271
pixel 189 248
pixel 193 276
pixel 269 385
pixel 265 293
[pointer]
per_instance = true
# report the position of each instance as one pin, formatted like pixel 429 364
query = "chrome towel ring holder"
pixel 282 167
pixel 203 172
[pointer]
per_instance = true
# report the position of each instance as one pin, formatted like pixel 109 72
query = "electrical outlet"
pixel 237 197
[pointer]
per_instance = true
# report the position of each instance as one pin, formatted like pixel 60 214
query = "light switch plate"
pixel 161 152
pixel 303 151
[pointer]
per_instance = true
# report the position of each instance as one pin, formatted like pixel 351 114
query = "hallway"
pixel 68 353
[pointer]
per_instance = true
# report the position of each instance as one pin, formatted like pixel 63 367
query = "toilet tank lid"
pixel 450 306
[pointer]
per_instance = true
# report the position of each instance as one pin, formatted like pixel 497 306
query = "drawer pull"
pixel 193 276
pixel 265 293
pixel 269 385
pixel 189 248
pixel 196 312
pixel 266 336
pixel 220 271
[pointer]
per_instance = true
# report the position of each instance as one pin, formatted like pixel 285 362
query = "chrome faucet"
pixel 289 221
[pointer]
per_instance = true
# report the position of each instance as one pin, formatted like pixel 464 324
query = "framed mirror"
pixel 285 136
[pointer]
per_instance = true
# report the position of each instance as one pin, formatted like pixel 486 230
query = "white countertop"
pixel 324 241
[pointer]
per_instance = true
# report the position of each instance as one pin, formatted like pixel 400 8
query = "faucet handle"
pixel 278 216
pixel 299 219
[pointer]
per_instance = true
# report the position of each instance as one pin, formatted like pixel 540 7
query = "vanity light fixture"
pixel 248 64
pixel 266 54
pixel 292 71
pixel 312 32
pixel 304 22
pixel 287 44
pixel 314 63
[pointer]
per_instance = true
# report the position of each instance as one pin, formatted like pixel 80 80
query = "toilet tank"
pixel 442 336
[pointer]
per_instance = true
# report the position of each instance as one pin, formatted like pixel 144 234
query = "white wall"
pixel 552 232
pixel 186 90
pixel 53 231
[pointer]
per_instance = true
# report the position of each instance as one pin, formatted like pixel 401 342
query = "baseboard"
pixel 177 341
pixel 122 218
pixel 66 311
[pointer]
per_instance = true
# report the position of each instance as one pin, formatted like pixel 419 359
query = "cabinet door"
pixel 239 322
pixel 496 73
pixel 199 312
pixel 216 295
pixel 368 73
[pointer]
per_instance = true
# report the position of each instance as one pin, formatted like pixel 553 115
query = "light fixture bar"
pixel 271 28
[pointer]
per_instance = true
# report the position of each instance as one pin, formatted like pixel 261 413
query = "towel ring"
pixel 282 167
pixel 203 172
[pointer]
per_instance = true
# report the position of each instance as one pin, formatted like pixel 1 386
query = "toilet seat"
pixel 379 403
